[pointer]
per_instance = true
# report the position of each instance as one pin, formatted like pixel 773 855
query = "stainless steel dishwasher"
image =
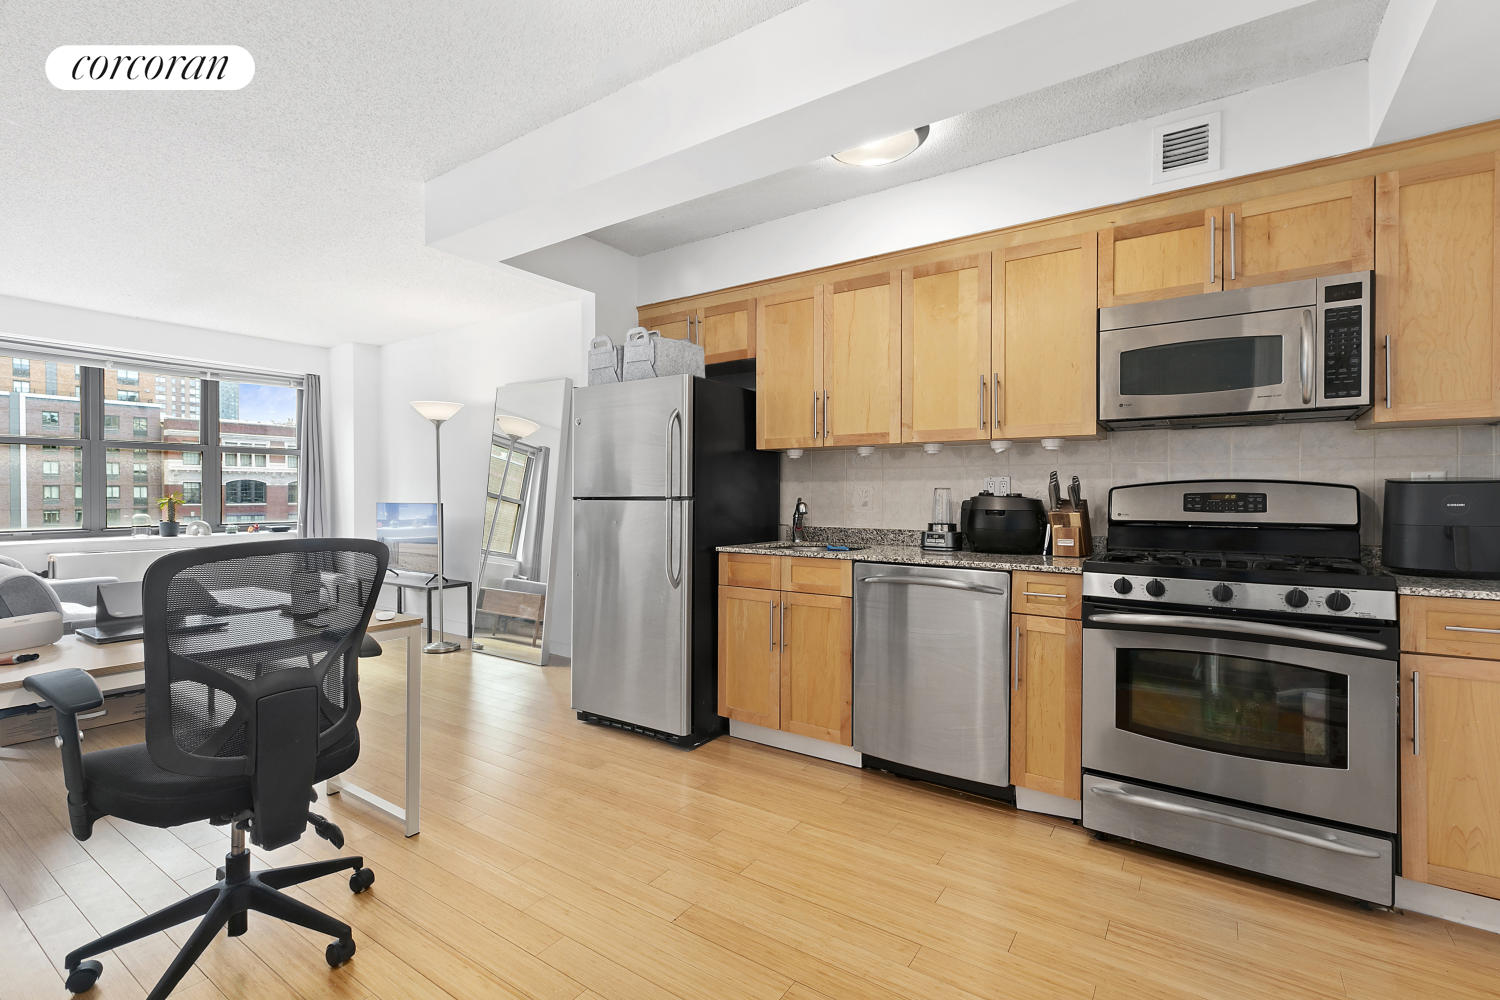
pixel 932 669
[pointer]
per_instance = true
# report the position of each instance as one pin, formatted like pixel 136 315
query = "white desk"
pixel 120 666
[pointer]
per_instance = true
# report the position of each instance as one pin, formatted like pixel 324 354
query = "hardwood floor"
pixel 560 861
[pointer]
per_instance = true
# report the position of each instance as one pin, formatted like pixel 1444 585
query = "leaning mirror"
pixel 513 603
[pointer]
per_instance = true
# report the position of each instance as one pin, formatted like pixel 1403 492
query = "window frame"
pixel 91 442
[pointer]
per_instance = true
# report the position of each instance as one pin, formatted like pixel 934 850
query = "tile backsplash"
pixel 893 488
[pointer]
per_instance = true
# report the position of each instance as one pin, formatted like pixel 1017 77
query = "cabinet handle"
pixel 826 397
pixel 1015 662
pixel 1467 628
pixel 1213 249
pixel 995 404
pixel 816 432
pixel 1231 246
pixel 981 402
pixel 771 627
pixel 1055 597
pixel 783 624
pixel 1416 714
pixel 1387 371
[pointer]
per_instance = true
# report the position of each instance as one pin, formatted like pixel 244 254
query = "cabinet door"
pixel 945 350
pixel 750 656
pixel 1046 339
pixel 1304 234
pixel 1046 709
pixel 816 677
pixel 1450 772
pixel 1161 259
pixel 862 360
pixel 728 332
pixel 680 324
pixel 1435 288
pixel 789 370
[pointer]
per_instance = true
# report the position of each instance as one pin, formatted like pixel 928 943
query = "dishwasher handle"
pixel 933 581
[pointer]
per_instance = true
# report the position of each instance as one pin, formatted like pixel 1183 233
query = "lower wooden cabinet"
pixel 1450 772
pixel 1046 709
pixel 817 679
pixel 750 656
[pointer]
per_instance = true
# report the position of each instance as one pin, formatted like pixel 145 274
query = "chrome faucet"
pixel 799 519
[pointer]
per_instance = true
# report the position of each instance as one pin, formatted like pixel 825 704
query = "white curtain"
pixel 315 520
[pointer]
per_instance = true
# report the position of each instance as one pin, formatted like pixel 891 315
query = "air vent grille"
pixel 1184 147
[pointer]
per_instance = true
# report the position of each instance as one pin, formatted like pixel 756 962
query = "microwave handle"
pixel 1306 363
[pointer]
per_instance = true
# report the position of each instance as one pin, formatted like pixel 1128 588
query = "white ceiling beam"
pixel 826 75
pixel 1434 68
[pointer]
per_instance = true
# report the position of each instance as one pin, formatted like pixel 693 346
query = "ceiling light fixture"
pixel 874 154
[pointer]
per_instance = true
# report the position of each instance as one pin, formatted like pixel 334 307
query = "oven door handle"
pixel 1212 816
pixel 1231 625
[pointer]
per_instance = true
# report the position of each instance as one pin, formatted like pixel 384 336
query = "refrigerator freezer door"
pixel 632 598
pixel 633 439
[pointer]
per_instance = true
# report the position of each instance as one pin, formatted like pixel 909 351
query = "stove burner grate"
pixel 1233 561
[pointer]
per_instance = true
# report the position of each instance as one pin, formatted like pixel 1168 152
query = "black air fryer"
pixel 1008 523
pixel 1442 527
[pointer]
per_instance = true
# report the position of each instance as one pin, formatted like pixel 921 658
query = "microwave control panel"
pixel 1343 352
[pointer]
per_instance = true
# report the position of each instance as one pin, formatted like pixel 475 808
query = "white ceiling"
pixel 293 209
pixel 1290 44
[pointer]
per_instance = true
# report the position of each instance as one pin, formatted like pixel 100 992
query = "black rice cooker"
pixel 1008 523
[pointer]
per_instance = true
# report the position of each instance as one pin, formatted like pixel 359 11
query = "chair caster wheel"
pixel 82 978
pixel 361 880
pixel 340 952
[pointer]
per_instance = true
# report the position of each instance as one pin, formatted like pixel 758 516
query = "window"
pixel 51 468
pixel 260 461
pixel 231 459
pixel 291 493
pixel 111 422
pixel 111 469
pixel 51 517
pixel 51 493
pixel 139 471
pixel 239 491
pixel 127 395
pixel 20 387
pixel 77 424
pixel 138 426
pixel 192 458
pixel 124 377
pixel 192 493
pixel 78 516
pixel 291 461
pixel 20 367
pixel 141 493
pixel 78 493
pixel 51 418
pixel 111 492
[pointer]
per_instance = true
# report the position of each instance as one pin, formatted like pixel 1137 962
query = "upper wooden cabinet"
pixel 680 324
pixel 1305 234
pixel 1161 259
pixel 1436 314
pixel 1045 349
pixel 727 332
pixel 862 360
pixel 945 350
pixel 789 370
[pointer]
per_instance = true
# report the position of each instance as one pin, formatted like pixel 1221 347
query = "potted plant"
pixel 169 505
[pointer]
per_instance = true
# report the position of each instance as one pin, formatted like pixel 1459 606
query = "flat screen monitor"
pixel 410 531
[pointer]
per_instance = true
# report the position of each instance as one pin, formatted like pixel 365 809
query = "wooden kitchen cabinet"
pixel 789 370
pixel 727 332
pixel 1045 341
pixel 1161 258
pixel 1054 595
pixel 816 657
pixel 750 656
pixel 862 360
pixel 786 644
pixel 1450 772
pixel 681 324
pixel 1303 234
pixel 1437 332
pixel 945 350
pixel 1046 709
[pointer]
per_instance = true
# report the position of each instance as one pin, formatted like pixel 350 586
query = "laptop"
pixel 117 615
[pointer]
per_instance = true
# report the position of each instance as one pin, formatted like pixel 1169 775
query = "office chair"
pixel 251 662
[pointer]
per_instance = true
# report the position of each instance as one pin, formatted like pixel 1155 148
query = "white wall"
pixel 466 365
pixel 1304 119
pixel 352 393
pixel 605 277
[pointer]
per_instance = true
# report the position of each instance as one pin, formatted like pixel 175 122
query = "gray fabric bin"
pixel 606 361
pixel 650 355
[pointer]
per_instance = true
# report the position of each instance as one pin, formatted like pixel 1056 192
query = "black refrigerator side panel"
pixel 736 499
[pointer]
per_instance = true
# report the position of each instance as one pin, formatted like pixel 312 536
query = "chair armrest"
pixel 69 691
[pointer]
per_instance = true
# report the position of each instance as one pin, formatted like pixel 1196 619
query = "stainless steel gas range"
pixel 1240 682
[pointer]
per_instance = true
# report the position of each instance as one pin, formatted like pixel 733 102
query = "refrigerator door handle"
pixel 674 577
pixel 675 417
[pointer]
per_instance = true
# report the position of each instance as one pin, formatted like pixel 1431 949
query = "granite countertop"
pixel 915 555
pixel 1447 586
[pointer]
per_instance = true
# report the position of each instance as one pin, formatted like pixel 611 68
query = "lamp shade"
pixel 436 410
pixel 516 427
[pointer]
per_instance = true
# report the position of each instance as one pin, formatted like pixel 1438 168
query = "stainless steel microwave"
pixel 1297 350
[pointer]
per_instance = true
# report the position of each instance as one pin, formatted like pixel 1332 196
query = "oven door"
pixel 1308 731
pixel 1265 361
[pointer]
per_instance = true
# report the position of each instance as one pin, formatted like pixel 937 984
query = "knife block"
pixel 1071 535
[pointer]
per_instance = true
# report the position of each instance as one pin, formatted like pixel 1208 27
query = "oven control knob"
pixel 1123 586
pixel 1296 598
pixel 1336 601
pixel 1223 592
pixel 1156 588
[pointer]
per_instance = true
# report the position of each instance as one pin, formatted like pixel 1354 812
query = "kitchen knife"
pixel 1075 494
pixel 1054 492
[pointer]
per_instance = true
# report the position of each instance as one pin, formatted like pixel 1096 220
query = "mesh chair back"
pixel 252 656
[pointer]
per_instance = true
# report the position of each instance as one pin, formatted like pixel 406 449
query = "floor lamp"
pixel 438 412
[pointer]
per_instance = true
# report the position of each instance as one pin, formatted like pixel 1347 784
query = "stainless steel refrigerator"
pixel 664 470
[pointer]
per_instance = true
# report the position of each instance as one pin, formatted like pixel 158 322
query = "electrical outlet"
pixel 997 484
pixel 1429 475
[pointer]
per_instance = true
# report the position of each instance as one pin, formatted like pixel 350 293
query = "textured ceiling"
pixel 293 209
pixel 1291 44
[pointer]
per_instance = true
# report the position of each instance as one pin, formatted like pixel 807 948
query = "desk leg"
pixel 410 817
pixel 429 616
pixel 469 596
